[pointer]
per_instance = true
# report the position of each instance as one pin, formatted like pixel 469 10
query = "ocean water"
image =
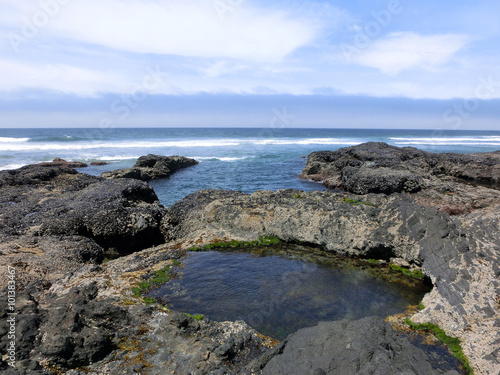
pixel 238 159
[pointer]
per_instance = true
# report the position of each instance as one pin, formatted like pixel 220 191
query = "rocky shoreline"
pixel 439 213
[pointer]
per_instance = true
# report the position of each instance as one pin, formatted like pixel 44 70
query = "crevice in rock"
pixel 380 251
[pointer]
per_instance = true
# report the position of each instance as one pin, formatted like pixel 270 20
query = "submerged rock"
pixel 152 167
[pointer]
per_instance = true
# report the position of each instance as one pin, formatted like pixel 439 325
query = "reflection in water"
pixel 279 294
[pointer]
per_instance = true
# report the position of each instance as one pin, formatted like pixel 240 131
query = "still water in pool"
pixel 279 294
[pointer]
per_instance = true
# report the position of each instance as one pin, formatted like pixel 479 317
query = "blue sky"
pixel 392 63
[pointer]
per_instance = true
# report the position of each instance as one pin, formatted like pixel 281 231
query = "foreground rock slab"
pixel 152 167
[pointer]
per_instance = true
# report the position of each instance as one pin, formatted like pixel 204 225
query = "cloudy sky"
pixel 336 63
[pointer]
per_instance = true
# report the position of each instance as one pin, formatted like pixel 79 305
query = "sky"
pixel 229 63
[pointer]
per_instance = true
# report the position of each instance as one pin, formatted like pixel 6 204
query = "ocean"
pixel 236 159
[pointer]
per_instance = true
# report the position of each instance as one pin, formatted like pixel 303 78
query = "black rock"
pixel 152 167
pixel 376 167
pixel 120 216
pixel 78 330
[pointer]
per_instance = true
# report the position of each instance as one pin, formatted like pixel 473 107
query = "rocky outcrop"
pixel 152 167
pixel 53 219
pixel 375 227
pixel 455 183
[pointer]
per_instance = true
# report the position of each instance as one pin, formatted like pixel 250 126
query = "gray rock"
pixel 366 346
pixel 366 180
pixel 77 330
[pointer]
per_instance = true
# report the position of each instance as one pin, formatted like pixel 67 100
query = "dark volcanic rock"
pixel 119 214
pixel 152 167
pixel 58 162
pixel 66 218
pixel 77 330
pixel 380 168
pixel 381 180
pixel 69 331
pixel 366 346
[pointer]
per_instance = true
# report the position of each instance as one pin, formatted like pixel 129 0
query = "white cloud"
pixel 221 68
pixel 402 51
pixel 58 77
pixel 174 27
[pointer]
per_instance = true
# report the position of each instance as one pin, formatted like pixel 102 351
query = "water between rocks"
pixel 280 290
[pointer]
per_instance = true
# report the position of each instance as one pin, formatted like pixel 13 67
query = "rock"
pixel 99 163
pixel 56 224
pixel 27 323
pixel 381 180
pixel 62 218
pixel 470 181
pixel 58 162
pixel 152 167
pixel 366 346
pixel 77 330
pixel 374 228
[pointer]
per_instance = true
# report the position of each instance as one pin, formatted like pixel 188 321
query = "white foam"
pixel 306 141
pixel 117 158
pixel 201 158
pixel 438 143
pixel 40 146
pixel 450 139
pixel 98 145
pixel 10 140
pixel 11 166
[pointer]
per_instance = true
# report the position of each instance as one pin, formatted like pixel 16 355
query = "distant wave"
pixel 443 141
pixel 42 146
pixel 10 140
pixel 306 141
pixel 216 158
pixel 439 143
pixel 116 158
pixel 64 138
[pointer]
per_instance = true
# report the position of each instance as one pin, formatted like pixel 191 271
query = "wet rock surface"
pixel 152 167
